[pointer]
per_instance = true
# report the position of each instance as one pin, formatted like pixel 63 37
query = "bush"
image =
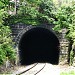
pixel 6 44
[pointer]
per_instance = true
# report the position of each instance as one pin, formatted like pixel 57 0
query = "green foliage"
pixel 6 44
pixel 21 19
pixel 71 57
pixel 68 73
pixel 4 4
pixel 46 9
pixel 27 9
pixel 2 55
pixel 29 12
pixel 33 12
pixel 3 14
pixel 1 4
pixel 26 14
pixel 62 18
pixel 6 50
pixel 66 19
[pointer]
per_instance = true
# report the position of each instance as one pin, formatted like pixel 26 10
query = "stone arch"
pixel 38 44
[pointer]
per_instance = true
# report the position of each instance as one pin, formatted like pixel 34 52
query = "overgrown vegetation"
pixel 36 12
pixel 66 19
pixel 6 44
pixel 33 12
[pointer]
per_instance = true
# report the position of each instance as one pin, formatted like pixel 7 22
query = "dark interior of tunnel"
pixel 39 45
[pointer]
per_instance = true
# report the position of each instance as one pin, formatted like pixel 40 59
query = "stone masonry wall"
pixel 17 28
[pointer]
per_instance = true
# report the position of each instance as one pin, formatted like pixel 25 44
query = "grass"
pixel 68 73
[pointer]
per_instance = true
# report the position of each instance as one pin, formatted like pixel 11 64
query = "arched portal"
pixel 38 44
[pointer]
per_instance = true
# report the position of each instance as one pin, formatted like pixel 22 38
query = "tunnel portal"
pixel 39 44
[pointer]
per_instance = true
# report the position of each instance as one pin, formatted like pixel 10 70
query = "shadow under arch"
pixel 38 44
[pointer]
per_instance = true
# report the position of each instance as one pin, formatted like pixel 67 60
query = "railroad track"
pixel 34 70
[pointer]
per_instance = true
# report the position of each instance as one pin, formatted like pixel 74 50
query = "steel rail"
pixel 27 69
pixel 32 68
pixel 40 69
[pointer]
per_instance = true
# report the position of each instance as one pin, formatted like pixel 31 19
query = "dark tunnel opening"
pixel 39 45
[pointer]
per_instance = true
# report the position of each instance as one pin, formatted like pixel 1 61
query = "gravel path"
pixel 48 68
pixel 61 68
